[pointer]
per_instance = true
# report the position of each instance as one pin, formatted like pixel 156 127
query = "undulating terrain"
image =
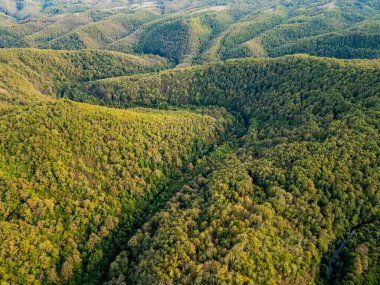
pixel 189 142
pixel 196 31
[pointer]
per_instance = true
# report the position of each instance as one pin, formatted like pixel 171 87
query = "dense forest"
pixel 359 262
pixel 189 142
pixel 307 170
pixel 63 196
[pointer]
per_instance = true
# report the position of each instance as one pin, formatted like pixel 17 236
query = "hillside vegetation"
pixel 102 33
pixel 187 32
pixel 304 174
pixel 75 178
pixel 28 75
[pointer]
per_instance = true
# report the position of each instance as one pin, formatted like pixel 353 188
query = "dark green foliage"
pixel 359 262
pixel 242 85
pixel 309 163
pixel 9 39
pixel 175 39
pixel 170 39
pixel 350 45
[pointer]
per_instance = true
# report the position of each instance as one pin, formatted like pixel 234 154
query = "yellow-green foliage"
pixel 6 21
pixel 248 171
pixel 71 173
pixel 82 175
pixel 60 27
pixel 26 73
pixel 102 33
pixel 16 89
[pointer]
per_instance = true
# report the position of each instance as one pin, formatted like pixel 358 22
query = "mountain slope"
pixel 307 169
pixel 102 33
pixel 75 177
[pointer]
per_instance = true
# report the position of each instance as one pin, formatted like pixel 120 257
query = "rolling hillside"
pixel 102 33
pixel 306 170
pixel 187 32
pixel 63 166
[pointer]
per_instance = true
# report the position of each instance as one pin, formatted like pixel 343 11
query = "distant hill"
pixel 189 32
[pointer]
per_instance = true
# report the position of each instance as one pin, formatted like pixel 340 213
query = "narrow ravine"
pixel 342 245
pixel 146 211
pixel 335 255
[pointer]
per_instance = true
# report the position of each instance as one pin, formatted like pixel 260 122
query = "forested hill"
pixel 305 173
pixel 242 85
pixel 75 179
